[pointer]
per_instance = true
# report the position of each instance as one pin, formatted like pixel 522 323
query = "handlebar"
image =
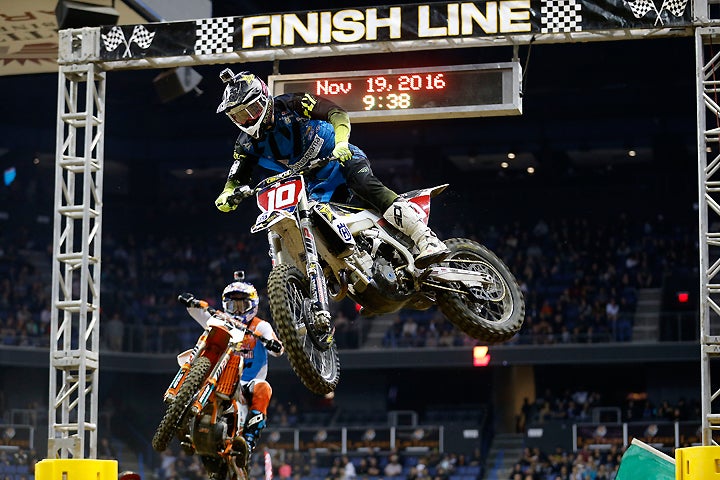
pixel 242 192
pixel 191 302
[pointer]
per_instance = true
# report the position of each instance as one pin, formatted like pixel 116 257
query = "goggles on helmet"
pixel 246 115
pixel 237 305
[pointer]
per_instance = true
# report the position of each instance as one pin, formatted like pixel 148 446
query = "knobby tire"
pixel 175 413
pixel 485 320
pixel 318 370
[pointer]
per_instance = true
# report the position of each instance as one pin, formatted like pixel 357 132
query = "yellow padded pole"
pixel 697 463
pixel 76 469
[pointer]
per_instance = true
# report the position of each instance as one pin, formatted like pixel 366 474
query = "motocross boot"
pixel 405 218
pixel 241 451
pixel 245 444
pixel 253 426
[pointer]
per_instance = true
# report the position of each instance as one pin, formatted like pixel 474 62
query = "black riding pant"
pixel 362 182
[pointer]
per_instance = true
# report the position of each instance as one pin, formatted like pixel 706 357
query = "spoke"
pixel 316 357
pixel 320 360
pixel 493 298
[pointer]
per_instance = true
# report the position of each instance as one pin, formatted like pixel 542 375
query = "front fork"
pixel 318 288
pixel 211 382
pixel 313 270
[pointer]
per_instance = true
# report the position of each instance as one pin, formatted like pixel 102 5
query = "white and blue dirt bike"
pixel 323 252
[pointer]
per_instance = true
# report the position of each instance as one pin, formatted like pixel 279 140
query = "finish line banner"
pixel 403 23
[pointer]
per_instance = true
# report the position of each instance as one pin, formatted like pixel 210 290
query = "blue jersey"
pixel 255 354
pixel 298 133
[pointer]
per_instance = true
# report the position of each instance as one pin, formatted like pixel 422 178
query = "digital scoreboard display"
pixel 414 93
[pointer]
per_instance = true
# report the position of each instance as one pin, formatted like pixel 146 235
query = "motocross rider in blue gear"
pixel 278 132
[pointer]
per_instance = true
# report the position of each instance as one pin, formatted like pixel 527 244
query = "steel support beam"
pixel 74 337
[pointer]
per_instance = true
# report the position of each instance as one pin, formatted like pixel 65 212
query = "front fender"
pixel 184 357
pixel 267 219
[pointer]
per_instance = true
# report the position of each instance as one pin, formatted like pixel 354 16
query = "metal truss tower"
pixel 75 340
pixel 708 144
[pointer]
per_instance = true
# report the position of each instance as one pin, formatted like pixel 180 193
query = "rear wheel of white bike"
pixel 316 364
pixel 493 312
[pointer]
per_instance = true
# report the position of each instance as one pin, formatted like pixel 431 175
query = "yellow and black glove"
pixel 342 151
pixel 222 202
pixel 341 123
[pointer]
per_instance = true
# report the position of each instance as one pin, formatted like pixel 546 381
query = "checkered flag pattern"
pixel 560 16
pixel 640 8
pixel 214 35
pixel 113 39
pixel 676 7
pixel 142 36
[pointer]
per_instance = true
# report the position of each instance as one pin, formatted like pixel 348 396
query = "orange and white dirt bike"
pixel 203 410
pixel 323 252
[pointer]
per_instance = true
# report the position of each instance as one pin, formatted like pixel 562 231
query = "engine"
pixel 207 436
pixel 387 292
pixel 384 276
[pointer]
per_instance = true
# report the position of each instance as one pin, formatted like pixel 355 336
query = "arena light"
pixel 481 356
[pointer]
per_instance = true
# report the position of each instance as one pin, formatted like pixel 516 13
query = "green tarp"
pixel 642 462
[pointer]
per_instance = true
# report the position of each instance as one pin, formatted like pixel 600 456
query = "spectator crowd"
pixel 580 283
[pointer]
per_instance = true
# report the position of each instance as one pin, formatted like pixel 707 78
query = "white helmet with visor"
pixel 241 300
pixel 246 101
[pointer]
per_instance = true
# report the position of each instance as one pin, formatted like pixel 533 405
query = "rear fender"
pixel 421 198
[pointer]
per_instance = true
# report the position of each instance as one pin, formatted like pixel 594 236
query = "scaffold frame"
pixel 75 319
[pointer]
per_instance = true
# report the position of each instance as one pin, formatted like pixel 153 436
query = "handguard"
pixel 239 194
